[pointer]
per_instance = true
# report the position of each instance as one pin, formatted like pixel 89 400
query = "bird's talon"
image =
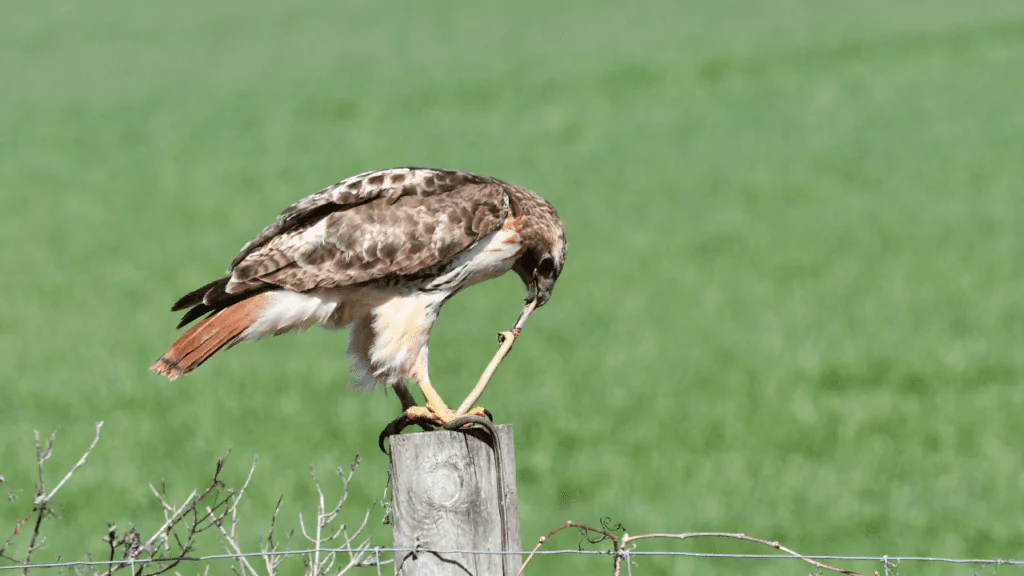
pixel 428 420
pixel 394 427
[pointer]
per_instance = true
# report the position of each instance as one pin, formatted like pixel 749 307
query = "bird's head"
pixel 541 263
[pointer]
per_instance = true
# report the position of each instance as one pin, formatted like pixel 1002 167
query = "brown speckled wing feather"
pixel 369 227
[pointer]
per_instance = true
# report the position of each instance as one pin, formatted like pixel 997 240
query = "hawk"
pixel 380 252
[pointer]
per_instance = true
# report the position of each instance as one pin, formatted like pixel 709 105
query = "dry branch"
pixel 41 508
pixel 737 536
pixel 619 544
pixel 213 506
pixel 335 534
pixel 605 535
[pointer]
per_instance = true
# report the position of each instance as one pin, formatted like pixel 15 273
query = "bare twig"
pixel 271 561
pixel 619 543
pixel 320 521
pixel 161 496
pixel 570 524
pixel 41 501
pixel 321 560
pixel 182 524
pixel 214 506
pixel 15 532
pixel 233 545
pixel 230 534
pixel 79 464
pixel 737 536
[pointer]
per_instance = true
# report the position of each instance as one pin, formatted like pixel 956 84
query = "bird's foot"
pixel 429 418
pixel 444 417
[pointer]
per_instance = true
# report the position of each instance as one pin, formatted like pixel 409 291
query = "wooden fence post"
pixel 445 497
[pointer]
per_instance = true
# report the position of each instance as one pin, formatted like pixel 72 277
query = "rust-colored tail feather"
pixel 223 329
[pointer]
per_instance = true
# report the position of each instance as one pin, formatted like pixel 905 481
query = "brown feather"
pixel 375 240
pixel 195 297
pixel 391 184
pixel 213 297
pixel 210 335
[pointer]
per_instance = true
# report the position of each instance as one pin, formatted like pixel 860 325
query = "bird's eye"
pixel 546 268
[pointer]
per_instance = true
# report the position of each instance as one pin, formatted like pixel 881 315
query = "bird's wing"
pixel 376 225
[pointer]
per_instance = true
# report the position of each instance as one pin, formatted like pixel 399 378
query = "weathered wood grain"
pixel 445 497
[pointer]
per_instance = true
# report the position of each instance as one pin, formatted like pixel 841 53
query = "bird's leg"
pixel 404 419
pixel 404 396
pixel 434 403
pixel 408 401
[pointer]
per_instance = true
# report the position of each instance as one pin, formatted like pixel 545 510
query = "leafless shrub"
pixel 215 506
pixel 41 508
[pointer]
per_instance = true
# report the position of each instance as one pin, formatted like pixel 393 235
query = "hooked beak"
pixel 538 292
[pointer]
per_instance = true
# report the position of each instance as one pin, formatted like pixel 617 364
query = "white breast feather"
pixel 401 327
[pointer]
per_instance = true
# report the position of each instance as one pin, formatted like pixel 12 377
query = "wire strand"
pixel 884 559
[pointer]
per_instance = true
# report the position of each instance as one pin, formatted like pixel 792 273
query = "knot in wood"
pixel 442 484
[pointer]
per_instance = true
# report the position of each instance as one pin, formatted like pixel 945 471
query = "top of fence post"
pixel 445 497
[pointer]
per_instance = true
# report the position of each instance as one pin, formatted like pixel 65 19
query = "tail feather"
pixel 197 311
pixel 224 328
pixel 197 296
pixel 211 297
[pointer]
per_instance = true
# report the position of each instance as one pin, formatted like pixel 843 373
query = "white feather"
pixel 293 310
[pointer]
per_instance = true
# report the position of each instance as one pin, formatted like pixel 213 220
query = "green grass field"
pixel 793 303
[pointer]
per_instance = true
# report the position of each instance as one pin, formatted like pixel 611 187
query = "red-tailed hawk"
pixel 380 252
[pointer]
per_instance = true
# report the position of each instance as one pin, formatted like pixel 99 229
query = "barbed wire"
pixel 886 560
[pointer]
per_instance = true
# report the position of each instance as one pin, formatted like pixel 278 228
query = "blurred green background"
pixel 792 307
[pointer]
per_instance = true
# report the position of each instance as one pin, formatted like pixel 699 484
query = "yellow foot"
pixel 443 417
pixel 428 418
pixel 481 412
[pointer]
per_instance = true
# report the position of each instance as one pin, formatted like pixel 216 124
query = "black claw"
pixel 489 415
pixel 394 427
